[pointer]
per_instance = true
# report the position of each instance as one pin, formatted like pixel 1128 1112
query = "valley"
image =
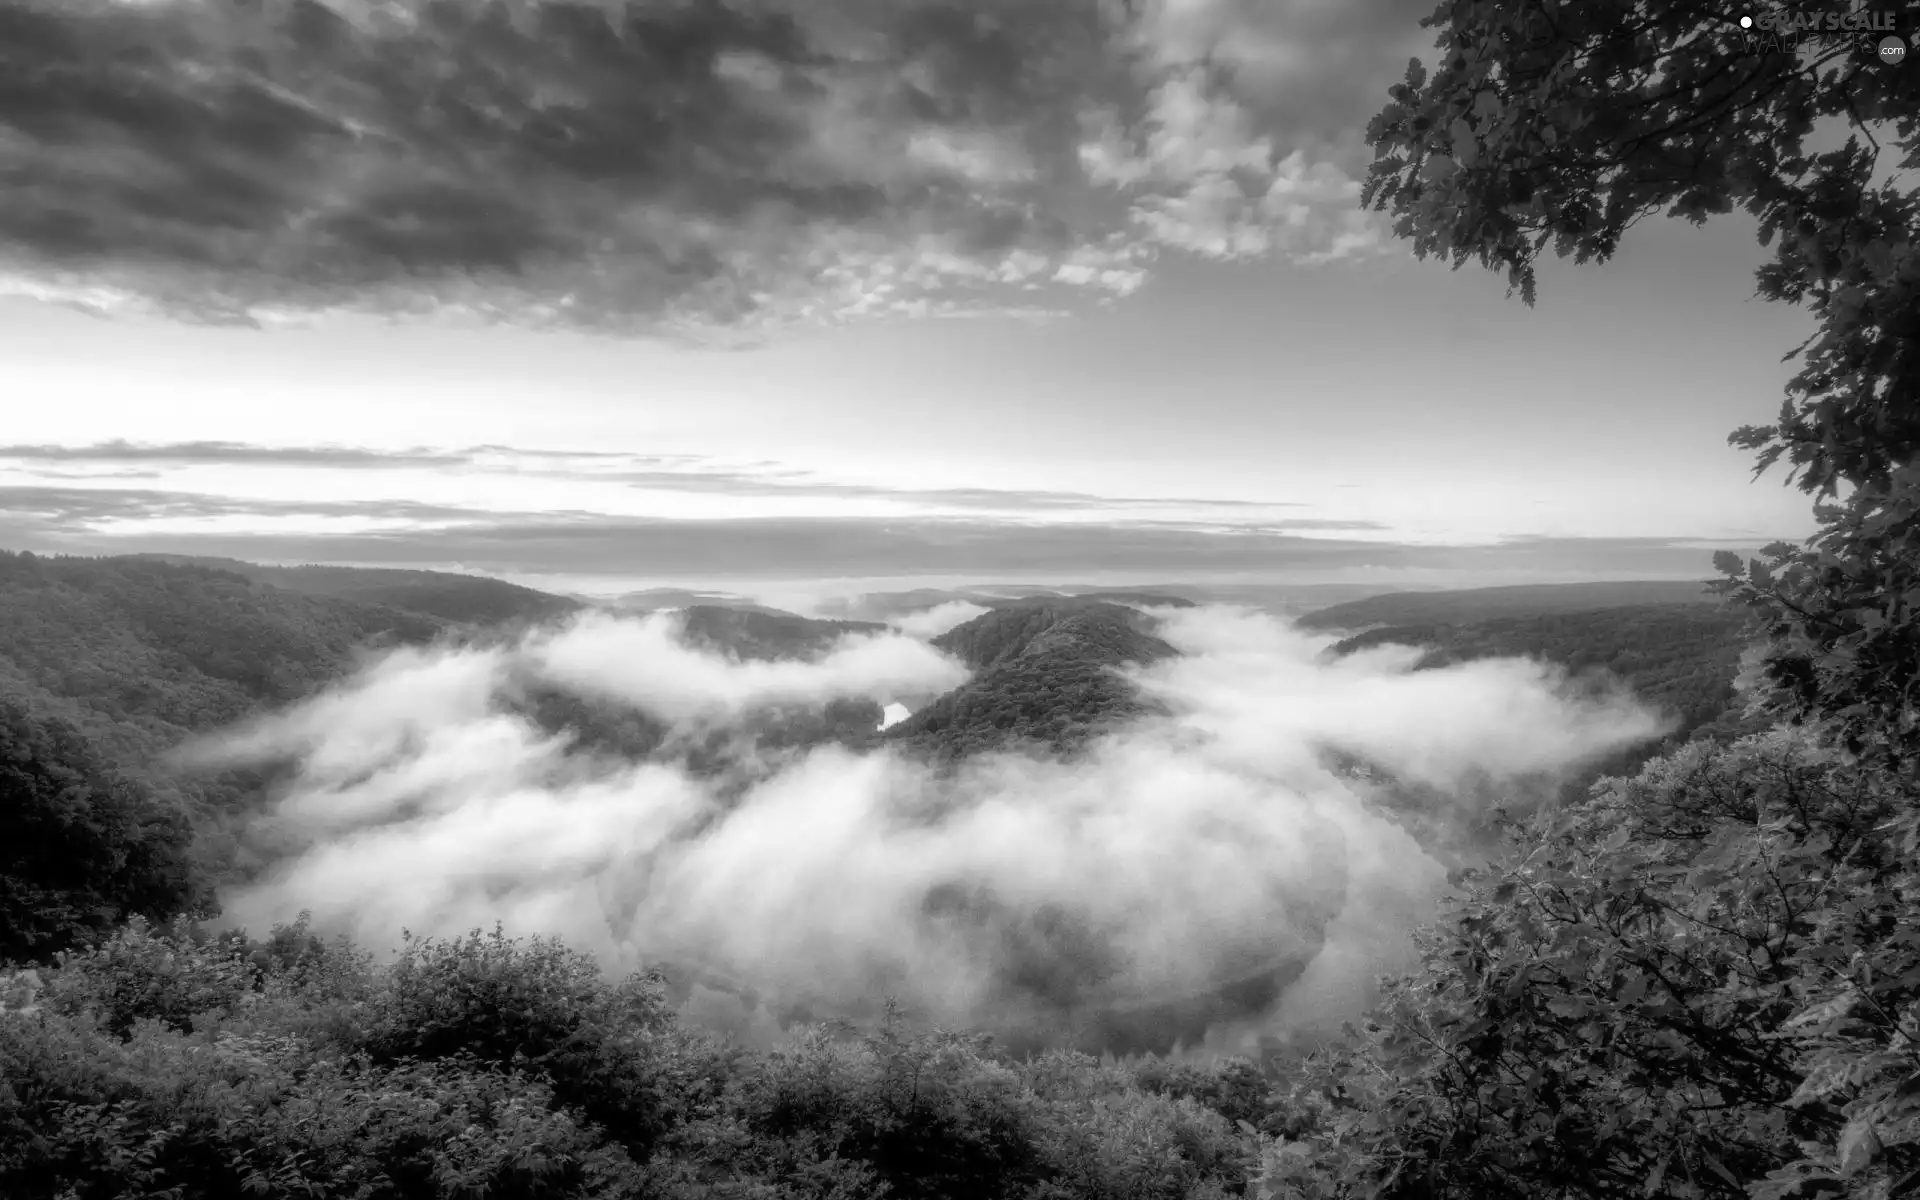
pixel 155 655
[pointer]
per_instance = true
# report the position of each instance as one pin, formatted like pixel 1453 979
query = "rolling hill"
pixel 1482 604
pixel 743 635
pixel 139 653
pixel 1044 675
pixel 765 634
pixel 466 599
pixel 1285 598
pixel 1680 658
pixel 656 599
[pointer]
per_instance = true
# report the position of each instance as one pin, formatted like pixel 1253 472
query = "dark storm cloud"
pixel 1304 67
pixel 661 165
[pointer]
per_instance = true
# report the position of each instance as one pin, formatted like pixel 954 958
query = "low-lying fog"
pixel 1013 893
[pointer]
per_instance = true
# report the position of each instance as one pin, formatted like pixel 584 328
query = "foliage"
pixel 463 599
pixel 540 1006
pixel 139 655
pixel 1046 677
pixel 1704 981
pixel 81 848
pixel 764 635
pixel 1567 123
pixel 176 1063
pixel 1681 659
pixel 1463 606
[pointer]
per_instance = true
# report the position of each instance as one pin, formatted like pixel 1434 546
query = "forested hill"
pixel 140 653
pixel 1129 597
pixel 470 599
pixel 764 634
pixel 1680 658
pixel 741 634
pixel 1483 604
pixel 1043 674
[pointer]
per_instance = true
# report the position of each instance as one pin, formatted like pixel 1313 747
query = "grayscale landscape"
pixel 949 599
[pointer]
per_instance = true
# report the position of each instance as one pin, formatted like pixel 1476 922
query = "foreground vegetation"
pixel 169 1063
pixel 1700 981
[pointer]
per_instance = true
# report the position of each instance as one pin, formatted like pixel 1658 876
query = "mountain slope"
pixel 746 635
pixel 1483 604
pixel 764 634
pixel 1044 675
pixel 468 599
pixel 1679 658
pixel 82 847
pixel 140 653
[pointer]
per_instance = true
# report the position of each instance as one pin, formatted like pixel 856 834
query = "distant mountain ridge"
pixel 140 652
pixel 1523 600
pixel 1679 658
pixel 139 655
pixel 468 599
pixel 765 634
pixel 658 599
pixel 1284 598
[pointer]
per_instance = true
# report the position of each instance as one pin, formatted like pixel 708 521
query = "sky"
pixel 677 292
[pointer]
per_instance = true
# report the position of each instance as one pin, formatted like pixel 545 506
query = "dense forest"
pixel 463 599
pixel 1045 679
pixel 140 653
pixel 764 635
pixel 134 656
pixel 761 739
pixel 1464 605
pixel 1681 659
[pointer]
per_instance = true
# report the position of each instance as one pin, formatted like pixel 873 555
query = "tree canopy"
pixel 1564 124
pixel 1702 981
pixel 81 848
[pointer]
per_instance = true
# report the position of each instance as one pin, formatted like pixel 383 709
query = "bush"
pixel 1701 982
pixel 611 1050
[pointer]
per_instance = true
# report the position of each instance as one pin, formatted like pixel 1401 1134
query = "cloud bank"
pixel 1216 844
pixel 735 551
pixel 673 166
pixel 932 622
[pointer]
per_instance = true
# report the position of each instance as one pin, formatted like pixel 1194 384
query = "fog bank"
pixel 1218 843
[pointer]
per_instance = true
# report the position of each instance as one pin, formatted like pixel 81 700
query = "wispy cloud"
pixel 659 167
pixel 648 472
pixel 80 510
pixel 229 453
pixel 105 521
pixel 677 517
